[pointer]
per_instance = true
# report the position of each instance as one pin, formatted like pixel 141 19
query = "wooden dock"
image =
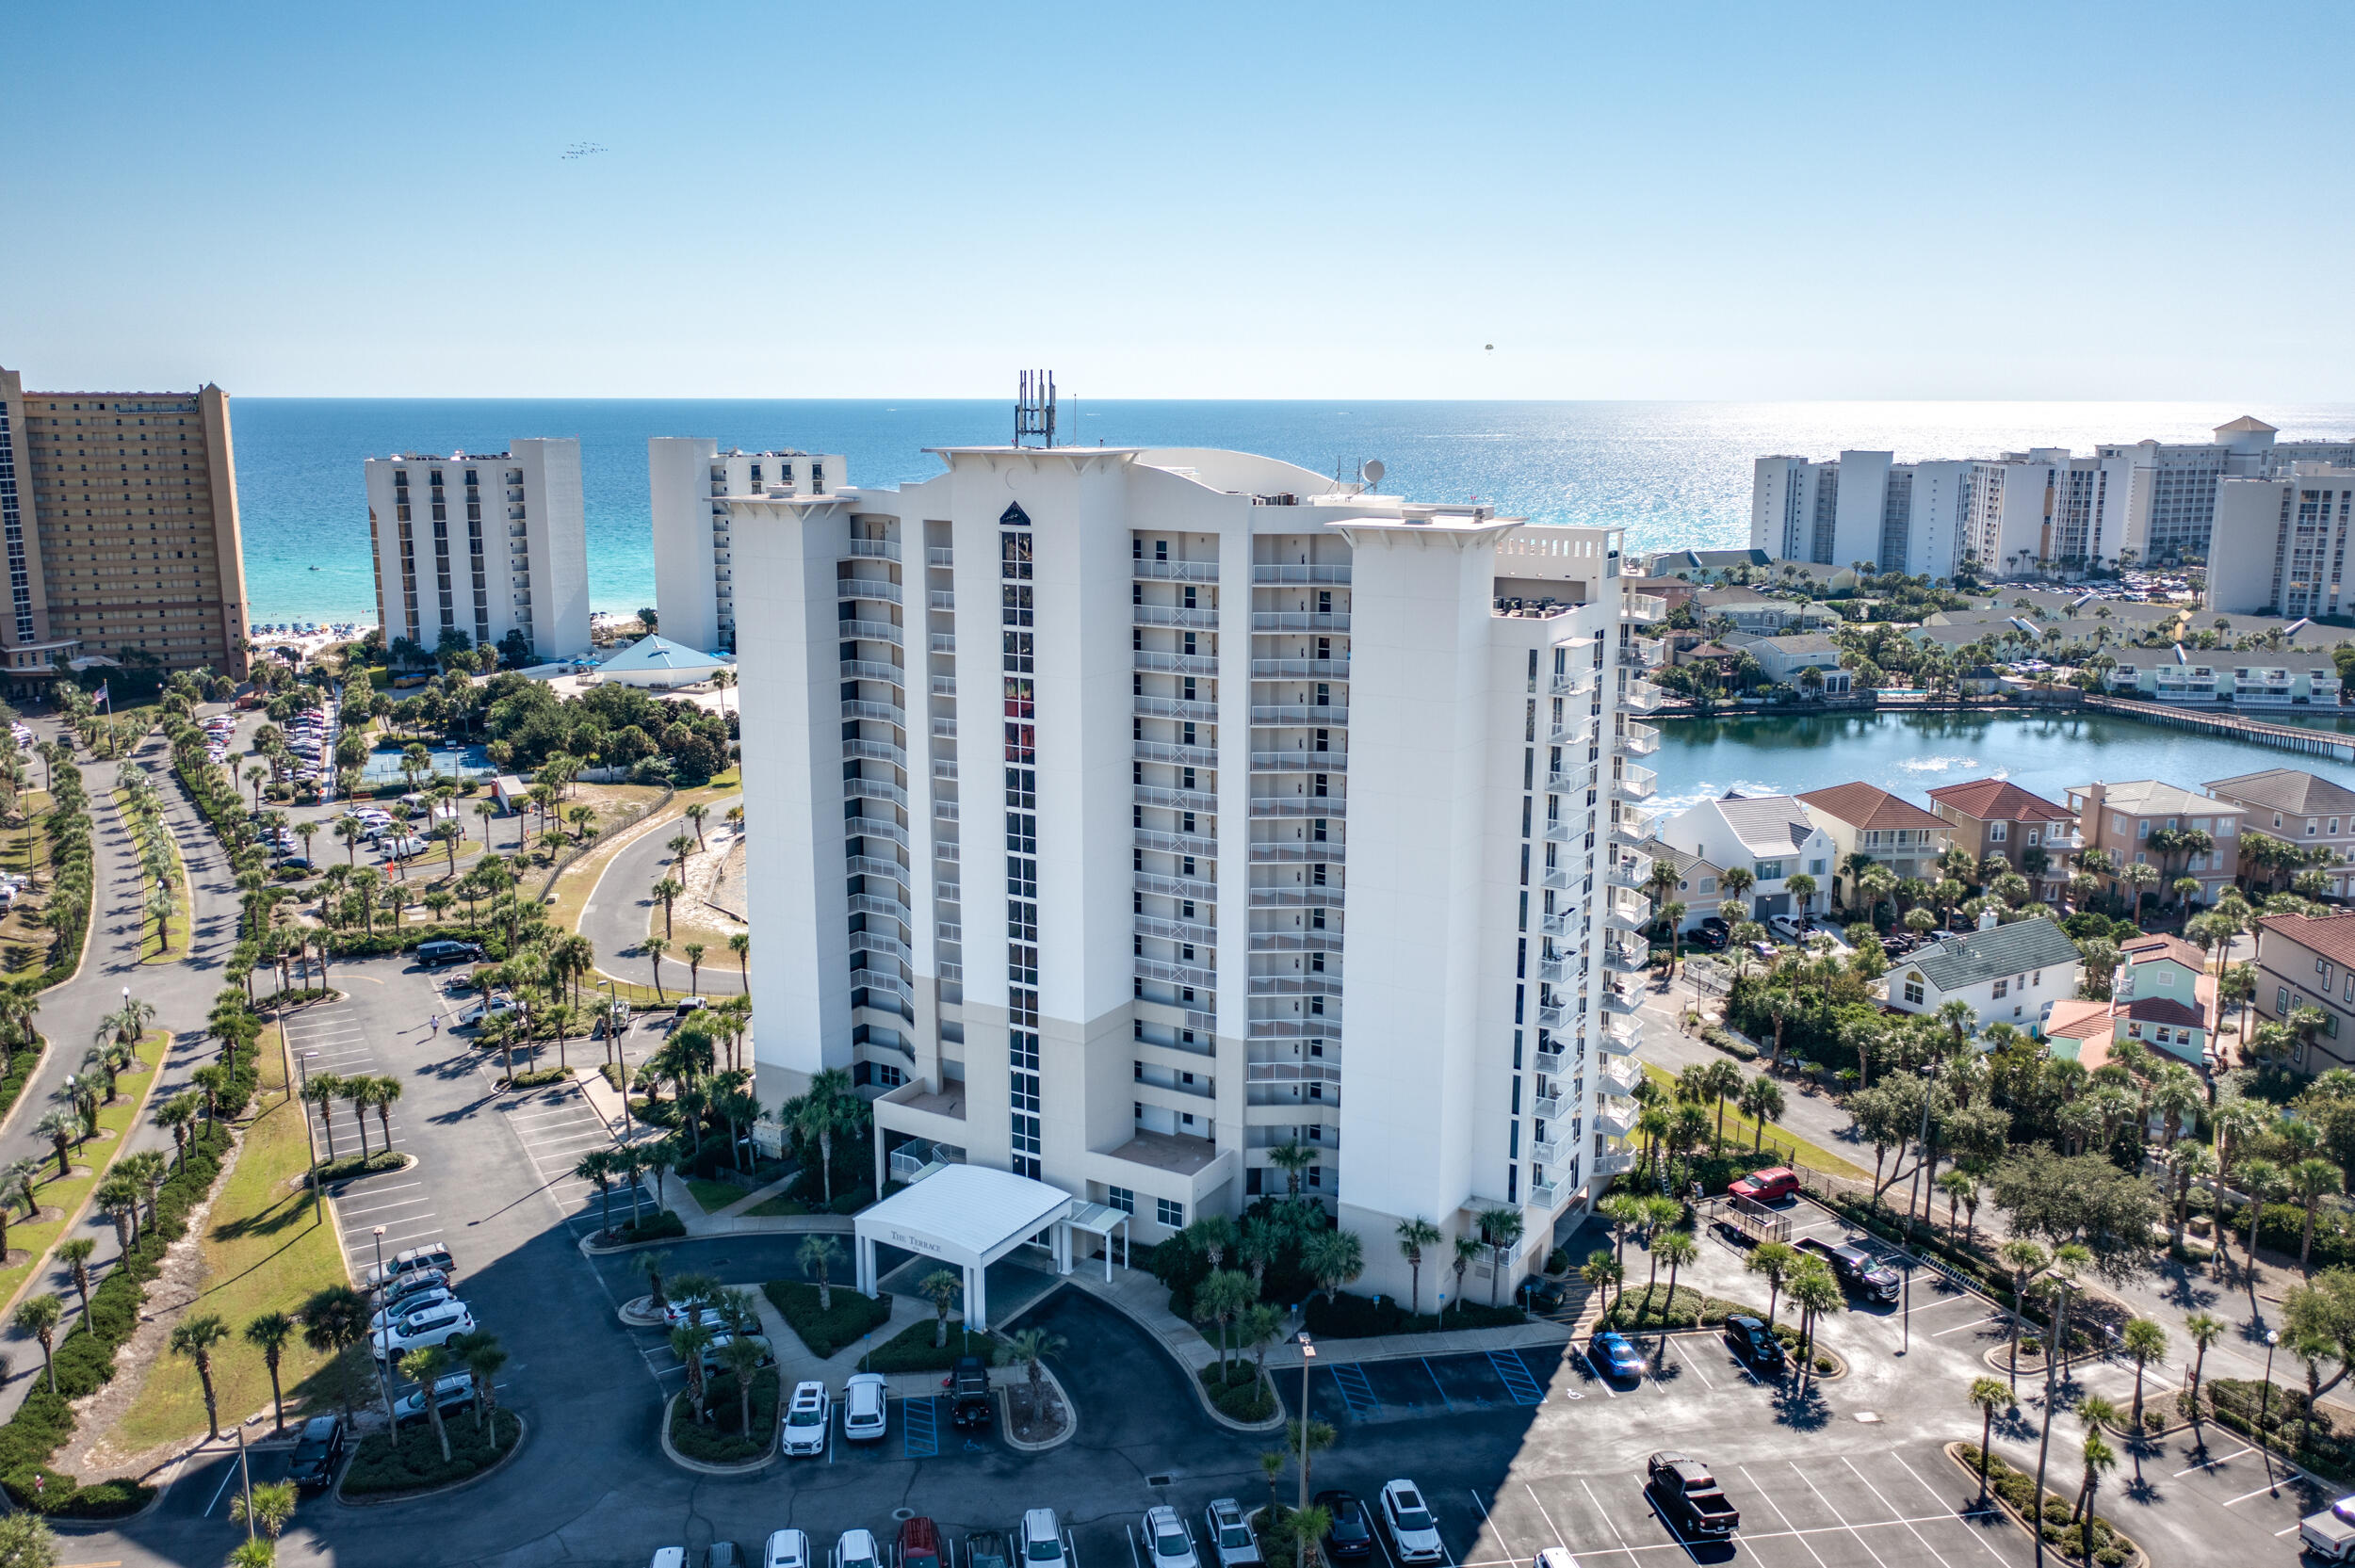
pixel 2337 746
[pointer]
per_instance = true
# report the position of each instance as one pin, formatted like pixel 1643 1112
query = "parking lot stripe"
pixel 1598 1371
pixel 2273 1486
pixel 1490 1523
pixel 1891 1508
pixel 1965 1514
pixel 1436 1383
pixel 385 1208
pixel 2207 1463
pixel 1611 1524
pixel 1975 1323
pixel 1687 1357
pixel 1949 1300
pixel 1784 1517
pixel 1842 1517
pixel 1558 1538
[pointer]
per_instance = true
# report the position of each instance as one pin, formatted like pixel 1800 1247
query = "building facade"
pixel 694 569
pixel 118 512
pixel 2299 808
pixel 2012 974
pixel 2281 543
pixel 488 546
pixel 2304 962
pixel 1771 837
pixel 1866 819
pixel 1126 815
pixel 1992 816
pixel 2122 820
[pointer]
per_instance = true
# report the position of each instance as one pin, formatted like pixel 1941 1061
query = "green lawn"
pixel 70 1194
pixel 714 1196
pixel 1739 1129
pixel 266 1246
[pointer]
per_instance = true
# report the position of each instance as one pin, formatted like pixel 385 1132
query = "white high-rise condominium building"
pixel 1122 816
pixel 483 544
pixel 694 571
pixel 2281 543
pixel 2173 512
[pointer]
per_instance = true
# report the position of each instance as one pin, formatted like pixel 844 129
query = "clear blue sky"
pixel 1627 201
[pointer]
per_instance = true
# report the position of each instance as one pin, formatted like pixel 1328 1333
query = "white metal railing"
pixel 1175 570
pixel 1300 572
pixel 873 549
pixel 1637 781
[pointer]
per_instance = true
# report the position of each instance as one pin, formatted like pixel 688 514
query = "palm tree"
pixel 654 947
pixel 694 952
pixel 354 1093
pixel 1501 1227
pixel 1027 1349
pixel 1468 1248
pixel 822 1113
pixel 942 1287
pixel 2145 1339
pixel 1413 1236
pixel 2100 1457
pixel 1221 1299
pixel 743 1357
pixel 1677 1248
pixel 1602 1271
pixel 322 1090
pixel 652 1264
pixel 273 1505
pixel 268 1333
pixel 39 1315
pixel 817 1255
pixel 76 1254
pixel 62 1127
pixel 1292 1157
pixel 334 1320
pixel 1989 1397
pixel 2312 1179
pixel 1774 1260
pixel 195 1339
pixel 424 1366
pixel 740 944
pixel 598 1167
pixel 1816 1294
pixel 2205 1329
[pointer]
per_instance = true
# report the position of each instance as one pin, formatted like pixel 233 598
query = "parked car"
pixel 1613 1355
pixel 970 1409
pixel 415 1260
pixel 675 1314
pixel 1550 1296
pixel 435 1325
pixel 1688 1496
pixel 987 1549
pixel 807 1420
pixel 318 1450
pixel 689 1004
pixel 856 1549
pixel 441 951
pixel 1167 1542
pixel 1350 1537
pixel 1788 926
pixel 920 1544
pixel 1771 1186
pixel 404 847
pixel 1414 1533
pixel 864 1416
pixel 2331 1534
pixel 722 1554
pixel 1041 1542
pixel 787 1549
pixel 454 1392
pixel 404 1286
pixel 1856 1268
pixel 415 1300
pixel 1229 1531
pixel 719 1341
pixel 486 1010
pixel 670 1557
pixel 1755 1342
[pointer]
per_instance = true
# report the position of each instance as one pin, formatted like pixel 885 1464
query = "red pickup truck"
pixel 1767 1187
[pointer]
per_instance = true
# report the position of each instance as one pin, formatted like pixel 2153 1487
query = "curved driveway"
pixel 622 908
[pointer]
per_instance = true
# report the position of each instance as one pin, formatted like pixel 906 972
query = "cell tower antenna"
pixel 1035 408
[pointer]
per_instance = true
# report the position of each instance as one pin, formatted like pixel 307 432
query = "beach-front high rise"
pixel 1121 817
pixel 694 569
pixel 490 546
pixel 118 515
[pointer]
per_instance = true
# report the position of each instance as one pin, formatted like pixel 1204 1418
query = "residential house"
pixel 2303 961
pixel 1697 886
pixel 1980 680
pixel 1994 816
pixel 1782 658
pixel 2164 996
pixel 2012 974
pixel 1771 836
pixel 2177 678
pixel 2301 808
pixel 1703 566
pixel 2080 1031
pixel 1759 613
pixel 2121 818
pixel 1864 819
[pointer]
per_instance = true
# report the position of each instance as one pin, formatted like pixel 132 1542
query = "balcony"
pixel 1299 805
pixel 1550 1060
pixel 1299 574
pixel 1173 664
pixel 945 768
pixel 940 598
pixel 1562 922
pixel 872 549
pixel 1178 931
pixel 1306 715
pixel 1642 653
pixel 1548 1149
pixel 1636 782
pixel 1614 1163
pixel 1328 941
pixel 1299 762
pixel 1299 621
pixel 1192 975
pixel 1562 877
pixel 1643 607
pixel 1637 740
pixel 1630 831
pixel 945 728
pixel 1276 853
pixel 1617 1004
pixel 1174 707
pixel 875 751
pixel 1619 1075
pixel 1572 684
pixel 1554 1016
pixel 1546 1107
pixel 1199 890
pixel 1173 615
pixel 872 670
pixel 1276 670
pixel 1319 1028
pixel 1296 898
pixel 1630 874
pixel 1176 843
pixel 1624 961
pixel 1556 971
pixel 1570 783
pixel 1573 731
pixel 867 866
pixel 1641 697
pixel 1544 1195
pixel 1170 752
pixel 1620 1037
pixel 1176 799
pixel 1175 570
pixel 874 789
pixel 939 555
pixel 1624 918
pixel 867 588
pixel 867 631
pixel 1617 1118
pixel 942 642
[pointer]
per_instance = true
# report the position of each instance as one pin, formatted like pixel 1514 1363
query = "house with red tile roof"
pixel 2308 961
pixel 1865 818
pixel 1995 816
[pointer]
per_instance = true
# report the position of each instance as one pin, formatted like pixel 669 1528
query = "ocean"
pixel 1673 475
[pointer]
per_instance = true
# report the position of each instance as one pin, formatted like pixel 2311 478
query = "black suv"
pixel 1350 1537
pixel 967 1382
pixel 1755 1342
pixel 317 1452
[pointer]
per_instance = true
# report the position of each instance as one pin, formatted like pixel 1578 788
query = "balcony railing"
pixel 1641 697
pixel 1175 615
pixel 1640 740
pixel 1307 714
pixel 1299 621
pixel 1174 707
pixel 1299 805
pixel 1170 752
pixel 1301 573
pixel 867 588
pixel 1299 762
pixel 1637 783
pixel 1271 670
pixel 1643 607
pixel 1619 1075
pixel 873 549
pixel 1175 570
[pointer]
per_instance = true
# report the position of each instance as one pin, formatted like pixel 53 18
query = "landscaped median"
pixel 385 1468
pixel 62 1199
pixel 163 876
pixel 1741 1128
pixel 2061 1526
pixel 723 1438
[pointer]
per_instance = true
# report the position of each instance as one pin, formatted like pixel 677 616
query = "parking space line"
pixel 1616 1534
pixel 1787 1526
pixel 1685 1357
pixel 1836 1514
pixel 2274 1486
pixel 1891 1508
pixel 1975 1323
pixel 384 1208
pixel 1427 1372
pixel 1488 1521
pixel 2207 1463
pixel 1966 1514
pixel 1947 1301
pixel 1600 1378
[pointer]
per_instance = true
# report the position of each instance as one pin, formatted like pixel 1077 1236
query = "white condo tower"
pixel 1119 815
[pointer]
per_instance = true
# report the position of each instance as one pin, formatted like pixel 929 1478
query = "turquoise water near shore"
pixel 1673 475
pixel 1910 754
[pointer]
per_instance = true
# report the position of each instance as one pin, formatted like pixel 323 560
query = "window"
pixel 1815 868
pixel 2282 1001
pixel 2036 837
pixel 1709 884
pixel 1172 1215
pixel 2142 828
pixel 1998 832
pixel 2003 988
pixel 1913 990
pixel 1120 1198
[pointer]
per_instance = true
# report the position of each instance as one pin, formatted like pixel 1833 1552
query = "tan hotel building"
pixel 118 518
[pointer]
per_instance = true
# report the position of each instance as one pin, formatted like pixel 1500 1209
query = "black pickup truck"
pixel 1854 1267
pixel 1689 1498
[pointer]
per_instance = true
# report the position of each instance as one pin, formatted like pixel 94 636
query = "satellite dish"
pixel 1373 472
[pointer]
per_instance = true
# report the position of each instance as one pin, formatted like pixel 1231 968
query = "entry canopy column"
pixel 967 1216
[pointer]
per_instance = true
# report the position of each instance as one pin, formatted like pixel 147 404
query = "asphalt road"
pixel 621 907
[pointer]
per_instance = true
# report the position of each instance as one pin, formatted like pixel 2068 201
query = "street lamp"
pixel 1307 1354
pixel 302 1069
pixel 2265 1416
pixel 384 1362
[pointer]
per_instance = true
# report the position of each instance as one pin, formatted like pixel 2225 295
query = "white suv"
pixel 807 1420
pixel 862 1417
pixel 1040 1541
pixel 435 1325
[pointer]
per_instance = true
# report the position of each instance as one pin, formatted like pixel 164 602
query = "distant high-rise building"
pixel 118 515
pixel 1173 826
pixel 489 546
pixel 694 569
pixel 2172 513
pixel 2280 544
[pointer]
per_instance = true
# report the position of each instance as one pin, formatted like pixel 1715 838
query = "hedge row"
pixel 2240 1403
pixel 85 1359
pixel 412 1460
pixel 2019 1490
pixel 72 873
pixel 721 1440
pixel 1238 1391
pixel 851 1317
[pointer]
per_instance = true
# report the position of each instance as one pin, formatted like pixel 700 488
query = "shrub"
pixel 655 1227
pixel 352 1165
pixel 854 1315
pixel 535 1080
pixel 411 1458
pixel 1343 1316
pixel 1741 1050
pixel 721 1440
pixel 911 1350
pixel 1238 1391
pixel 1643 1307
